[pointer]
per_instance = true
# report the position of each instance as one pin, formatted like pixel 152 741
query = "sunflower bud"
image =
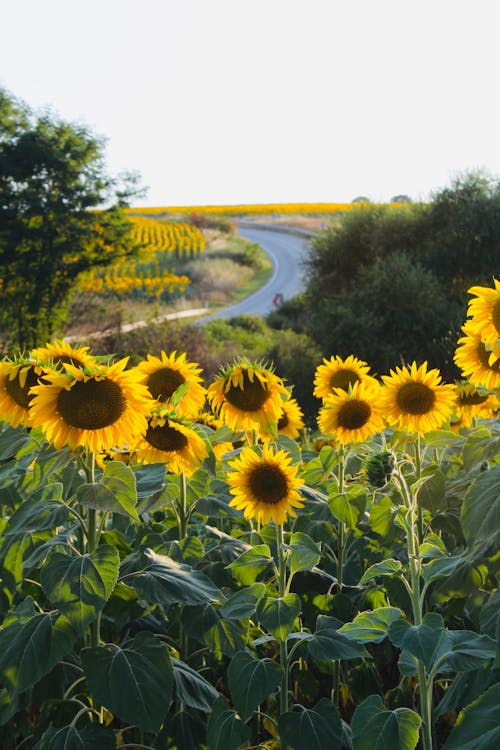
pixel 378 468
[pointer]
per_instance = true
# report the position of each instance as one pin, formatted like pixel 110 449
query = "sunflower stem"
pixel 283 647
pixel 182 508
pixel 418 474
pixel 414 565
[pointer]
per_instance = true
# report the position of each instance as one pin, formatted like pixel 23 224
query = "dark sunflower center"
pixel 251 397
pixel 471 399
pixel 19 394
pixel 343 379
pixel 166 438
pixel 415 398
pixel 163 383
pixel 353 414
pixel 484 357
pixel 268 484
pixel 91 404
pixel 282 421
pixel 496 316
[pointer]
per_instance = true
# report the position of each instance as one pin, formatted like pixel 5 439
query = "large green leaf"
pixel 328 643
pixel 427 642
pixel 81 586
pixel 191 688
pixel 225 730
pixel 48 461
pixel 164 581
pixel 371 626
pixel 468 650
pixel 243 603
pixel 88 737
pixel 381 516
pixel 30 647
pixel 478 725
pixel 44 511
pixel 480 514
pixel 208 626
pixel 250 563
pixel 431 492
pixel 133 682
pixel 315 728
pixel 277 615
pixel 347 507
pixel 115 493
pixel 390 567
pixel 376 728
pixel 304 552
pixel 251 681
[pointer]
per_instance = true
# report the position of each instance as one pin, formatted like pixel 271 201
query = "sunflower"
pixel 352 416
pixel 164 375
pixel 340 373
pixel 102 407
pixel 58 352
pixel 16 380
pixel 265 485
pixel 414 399
pixel 484 312
pixel 290 422
pixel 470 403
pixel 473 358
pixel 247 396
pixel 172 440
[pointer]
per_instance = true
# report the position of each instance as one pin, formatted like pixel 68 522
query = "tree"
pixel 60 215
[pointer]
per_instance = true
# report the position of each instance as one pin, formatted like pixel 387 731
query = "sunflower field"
pixel 149 277
pixel 184 566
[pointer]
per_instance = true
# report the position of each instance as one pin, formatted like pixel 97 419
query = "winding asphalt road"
pixel 287 251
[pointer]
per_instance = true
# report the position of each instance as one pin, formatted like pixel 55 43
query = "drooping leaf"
pixel 391 568
pixel 328 643
pixel 347 509
pixel 371 626
pixel 251 681
pixel 88 737
pixel 133 682
pixel 30 648
pixel 243 603
pixel 164 581
pixel 277 615
pixel 81 585
pixel 381 516
pixel 478 725
pixel 115 493
pixel 376 728
pixel 480 514
pixel 304 552
pixel 250 563
pixel 191 688
pixel 208 626
pixel 431 492
pixel 39 513
pixel 427 642
pixel 226 730
pixel 314 728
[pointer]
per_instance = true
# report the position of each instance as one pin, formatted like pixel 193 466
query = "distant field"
pixel 246 209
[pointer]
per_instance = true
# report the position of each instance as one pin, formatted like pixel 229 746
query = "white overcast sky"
pixel 261 101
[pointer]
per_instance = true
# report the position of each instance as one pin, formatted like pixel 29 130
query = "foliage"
pixel 390 281
pixel 51 178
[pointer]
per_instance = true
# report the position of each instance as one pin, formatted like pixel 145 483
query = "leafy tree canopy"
pixel 60 214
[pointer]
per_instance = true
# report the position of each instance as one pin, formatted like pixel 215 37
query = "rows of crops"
pixel 183 566
pixel 258 208
pixel 148 277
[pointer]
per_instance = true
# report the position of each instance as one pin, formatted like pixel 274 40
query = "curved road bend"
pixel 287 278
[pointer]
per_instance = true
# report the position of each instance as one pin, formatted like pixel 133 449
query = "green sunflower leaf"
pixel 31 647
pixel 164 581
pixel 251 681
pixel 88 737
pixel 250 563
pixel 133 682
pixel 242 604
pixel 80 586
pixel 478 725
pixel 376 728
pixel 371 626
pixel 277 615
pixel 313 728
pixel 328 643
pixel 304 552
pixel 226 730
pixel 480 514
